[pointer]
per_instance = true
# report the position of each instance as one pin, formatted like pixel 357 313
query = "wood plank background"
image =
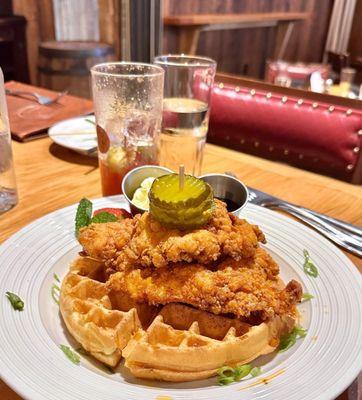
pixel 355 41
pixel 236 51
pixel 40 27
pixel 246 51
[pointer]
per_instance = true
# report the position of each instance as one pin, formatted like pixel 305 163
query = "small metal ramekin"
pixel 135 177
pixel 228 188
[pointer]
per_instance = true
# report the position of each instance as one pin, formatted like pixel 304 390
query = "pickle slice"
pixel 186 208
pixel 166 191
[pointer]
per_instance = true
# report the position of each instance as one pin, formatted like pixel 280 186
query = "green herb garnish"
pixel 307 296
pixel 84 215
pixel 242 371
pixel 15 301
pixel 308 266
pixel 56 277
pixel 55 291
pixel 102 217
pixel 73 357
pixel 300 332
pixel 255 372
pixel 289 340
pixel 227 375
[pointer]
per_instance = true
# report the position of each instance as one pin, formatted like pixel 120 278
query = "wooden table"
pixel 50 177
pixel 190 26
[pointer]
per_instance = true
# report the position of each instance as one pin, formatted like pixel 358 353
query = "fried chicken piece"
pixel 246 288
pixel 181 317
pixel 103 241
pixel 146 243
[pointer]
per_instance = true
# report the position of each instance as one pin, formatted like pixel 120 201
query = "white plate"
pixel 318 367
pixel 65 134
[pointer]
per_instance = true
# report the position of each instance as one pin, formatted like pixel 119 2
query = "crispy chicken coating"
pixel 103 241
pixel 144 242
pixel 247 288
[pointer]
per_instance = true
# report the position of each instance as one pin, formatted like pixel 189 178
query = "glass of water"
pixel 128 108
pixel 8 192
pixel 186 107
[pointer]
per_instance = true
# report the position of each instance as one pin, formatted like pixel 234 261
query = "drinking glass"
pixel 128 108
pixel 186 108
pixel 8 192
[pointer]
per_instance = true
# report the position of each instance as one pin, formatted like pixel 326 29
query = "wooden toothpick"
pixel 181 175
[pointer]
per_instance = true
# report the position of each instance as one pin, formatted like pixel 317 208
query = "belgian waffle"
pixel 198 350
pixel 174 342
pixel 89 316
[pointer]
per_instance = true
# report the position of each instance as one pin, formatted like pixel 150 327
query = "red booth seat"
pixel 311 135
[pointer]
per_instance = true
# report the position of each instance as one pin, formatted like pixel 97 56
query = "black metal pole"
pixel 145 27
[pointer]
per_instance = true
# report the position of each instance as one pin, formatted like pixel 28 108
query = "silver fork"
pixel 43 100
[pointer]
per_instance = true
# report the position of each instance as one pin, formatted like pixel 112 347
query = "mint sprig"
pixel 103 217
pixel 83 215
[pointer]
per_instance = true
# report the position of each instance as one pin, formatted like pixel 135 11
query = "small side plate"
pixel 77 134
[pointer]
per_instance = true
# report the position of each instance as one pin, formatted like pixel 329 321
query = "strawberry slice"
pixel 120 213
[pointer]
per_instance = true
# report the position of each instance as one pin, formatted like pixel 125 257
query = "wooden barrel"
pixel 65 65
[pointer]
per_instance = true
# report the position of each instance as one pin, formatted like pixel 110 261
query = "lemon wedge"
pixel 140 197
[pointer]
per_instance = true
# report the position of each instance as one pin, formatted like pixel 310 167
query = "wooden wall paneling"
pixel 46 20
pixel 355 41
pixel 189 35
pixel 106 16
pixel 29 10
pixel 319 29
pixel 40 27
pixel 304 44
pixel 166 7
pixel 355 44
pixel 109 24
pixel 232 49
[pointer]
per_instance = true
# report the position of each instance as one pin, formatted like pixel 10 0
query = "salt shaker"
pixel 8 191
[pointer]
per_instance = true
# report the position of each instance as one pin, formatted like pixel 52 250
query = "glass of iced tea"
pixel 186 107
pixel 128 108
